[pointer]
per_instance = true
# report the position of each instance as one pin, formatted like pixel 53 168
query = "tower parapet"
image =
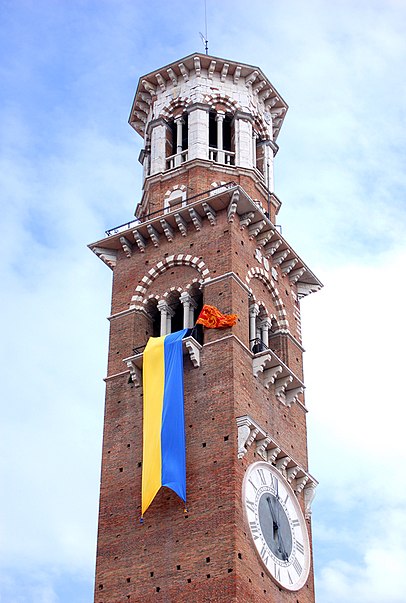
pixel 206 112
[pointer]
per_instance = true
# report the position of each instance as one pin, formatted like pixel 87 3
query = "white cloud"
pixel 354 332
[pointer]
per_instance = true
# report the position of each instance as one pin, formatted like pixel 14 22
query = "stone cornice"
pixel 160 121
pixel 230 336
pixel 243 115
pixel 201 106
pixel 136 235
pixel 271 370
pixel 197 65
pixel 208 164
pixel 134 363
pixel 267 447
pixel 124 313
pixel 115 375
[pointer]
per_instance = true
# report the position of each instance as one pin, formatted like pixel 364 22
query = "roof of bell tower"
pixel 209 80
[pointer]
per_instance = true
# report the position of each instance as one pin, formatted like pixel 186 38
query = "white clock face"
pixel 277 525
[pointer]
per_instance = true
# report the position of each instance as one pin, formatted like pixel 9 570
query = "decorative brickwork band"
pixel 263 276
pixel 153 273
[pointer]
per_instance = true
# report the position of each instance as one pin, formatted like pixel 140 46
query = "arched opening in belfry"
pixel 212 130
pixel 260 327
pixel 154 316
pixel 227 133
pixel 260 156
pixel 196 295
pixel 177 141
pixel 176 310
pixel 221 137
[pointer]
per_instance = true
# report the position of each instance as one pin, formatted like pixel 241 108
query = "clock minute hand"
pixel 276 531
pixel 275 523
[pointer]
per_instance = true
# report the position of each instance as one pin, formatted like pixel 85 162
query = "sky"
pixel 69 171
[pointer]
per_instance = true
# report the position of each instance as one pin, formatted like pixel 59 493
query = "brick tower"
pixel 205 232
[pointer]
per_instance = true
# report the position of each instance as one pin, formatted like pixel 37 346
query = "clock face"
pixel 277 525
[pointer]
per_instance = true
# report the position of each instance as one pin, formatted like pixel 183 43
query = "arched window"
pixel 221 137
pixel 260 327
pixel 155 317
pixel 177 141
pixel 175 198
pixel 177 311
pixel 259 155
pixel 197 304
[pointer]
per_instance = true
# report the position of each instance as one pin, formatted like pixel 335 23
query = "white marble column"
pixel 166 317
pixel 158 146
pixel 243 140
pixel 188 310
pixel 179 121
pixel 268 166
pixel 198 134
pixel 265 328
pixel 220 152
pixel 254 149
pixel 254 311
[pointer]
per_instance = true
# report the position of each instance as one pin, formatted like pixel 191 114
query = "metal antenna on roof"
pixel 204 37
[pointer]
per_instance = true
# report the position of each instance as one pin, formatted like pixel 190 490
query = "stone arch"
pixel 264 312
pixel 260 127
pixel 228 104
pixel 176 193
pixel 173 292
pixel 172 260
pixel 176 105
pixel 263 276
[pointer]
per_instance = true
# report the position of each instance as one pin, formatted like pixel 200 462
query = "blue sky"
pixel 69 170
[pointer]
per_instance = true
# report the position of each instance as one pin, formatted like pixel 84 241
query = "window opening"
pixel 155 317
pixel 212 130
pixel 177 318
pixel 260 157
pixel 198 329
pixel 227 128
pixel 185 130
pixel 177 140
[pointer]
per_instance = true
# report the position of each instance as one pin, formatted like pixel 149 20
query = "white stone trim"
pixel 263 275
pixel 250 432
pixel 162 266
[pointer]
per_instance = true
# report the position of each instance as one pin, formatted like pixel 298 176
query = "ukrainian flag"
pixel 164 449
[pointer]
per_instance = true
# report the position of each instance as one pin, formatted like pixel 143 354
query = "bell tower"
pixel 205 233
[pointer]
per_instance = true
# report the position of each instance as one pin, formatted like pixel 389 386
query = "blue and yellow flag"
pixel 164 449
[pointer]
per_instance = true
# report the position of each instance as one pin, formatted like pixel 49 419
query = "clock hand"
pixel 275 523
pixel 276 531
pixel 282 549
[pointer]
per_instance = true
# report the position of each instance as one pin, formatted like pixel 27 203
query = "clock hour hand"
pixel 275 523
pixel 276 531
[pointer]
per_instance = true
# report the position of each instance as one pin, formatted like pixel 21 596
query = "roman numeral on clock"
pixel 253 485
pixel 250 505
pixel 295 523
pixel 264 555
pixel 300 547
pixel 277 571
pixel 274 483
pixel 262 476
pixel 254 530
pixel 297 567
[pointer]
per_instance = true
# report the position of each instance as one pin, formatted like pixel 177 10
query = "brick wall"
pixel 206 554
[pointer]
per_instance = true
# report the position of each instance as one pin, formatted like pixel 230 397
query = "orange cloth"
pixel 212 318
